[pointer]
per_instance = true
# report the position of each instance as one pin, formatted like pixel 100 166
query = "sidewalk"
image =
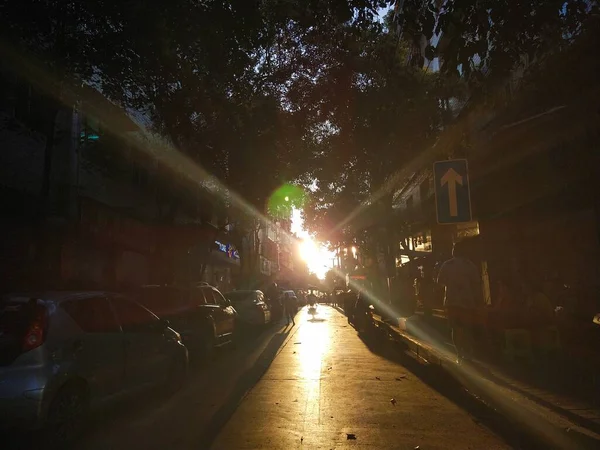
pixel 544 398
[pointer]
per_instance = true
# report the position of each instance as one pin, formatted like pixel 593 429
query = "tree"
pixel 220 89
pixel 382 113
pixel 229 84
pixel 488 39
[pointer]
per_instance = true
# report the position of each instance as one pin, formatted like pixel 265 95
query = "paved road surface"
pixel 313 385
pixel 326 384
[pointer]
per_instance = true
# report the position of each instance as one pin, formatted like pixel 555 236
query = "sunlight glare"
pixel 308 250
pixel 316 257
pixel 316 341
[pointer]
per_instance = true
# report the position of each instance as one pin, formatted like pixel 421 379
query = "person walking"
pixel 349 302
pixel 290 308
pixel 312 299
pixel 462 297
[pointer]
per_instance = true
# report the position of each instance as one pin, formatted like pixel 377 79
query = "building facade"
pixel 89 209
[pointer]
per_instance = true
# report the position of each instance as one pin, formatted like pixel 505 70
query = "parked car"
pixel 273 301
pixel 301 298
pixel 64 353
pixel 250 306
pixel 204 318
pixel 290 294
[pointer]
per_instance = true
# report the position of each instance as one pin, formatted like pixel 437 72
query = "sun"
pixel 308 251
pixel 315 256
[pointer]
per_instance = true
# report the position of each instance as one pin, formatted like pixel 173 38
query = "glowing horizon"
pixel 317 256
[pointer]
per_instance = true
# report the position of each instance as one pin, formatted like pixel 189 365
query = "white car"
pixel 250 306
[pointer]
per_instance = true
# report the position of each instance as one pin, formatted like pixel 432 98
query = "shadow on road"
pixel 591 424
pixel 203 378
pixel 517 435
pixel 244 384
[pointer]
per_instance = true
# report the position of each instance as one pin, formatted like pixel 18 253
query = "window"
pixel 197 297
pixel 210 299
pixel 133 317
pixel 93 315
pixel 219 298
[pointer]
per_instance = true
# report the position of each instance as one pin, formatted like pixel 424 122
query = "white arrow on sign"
pixel 451 177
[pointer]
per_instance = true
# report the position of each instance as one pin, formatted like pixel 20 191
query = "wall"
pixel 21 156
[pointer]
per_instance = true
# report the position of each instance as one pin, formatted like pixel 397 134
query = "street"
pixel 173 175
pixel 314 385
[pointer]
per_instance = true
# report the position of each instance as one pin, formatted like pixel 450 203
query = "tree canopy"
pixel 267 93
pixel 380 113
pixel 486 38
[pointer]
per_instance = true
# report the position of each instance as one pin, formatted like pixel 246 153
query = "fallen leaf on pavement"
pixel 393 401
pixel 350 436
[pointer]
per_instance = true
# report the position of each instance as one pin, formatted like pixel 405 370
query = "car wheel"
pixel 66 415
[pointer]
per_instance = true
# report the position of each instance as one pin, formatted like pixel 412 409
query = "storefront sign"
pixel 222 247
pixel 228 249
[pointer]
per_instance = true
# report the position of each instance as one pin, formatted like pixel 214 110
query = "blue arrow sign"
pixel 452 194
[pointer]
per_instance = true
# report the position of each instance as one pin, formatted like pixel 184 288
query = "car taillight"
pixel 36 331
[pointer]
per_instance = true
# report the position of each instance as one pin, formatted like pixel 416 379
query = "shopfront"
pixel 109 250
pixel 223 267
